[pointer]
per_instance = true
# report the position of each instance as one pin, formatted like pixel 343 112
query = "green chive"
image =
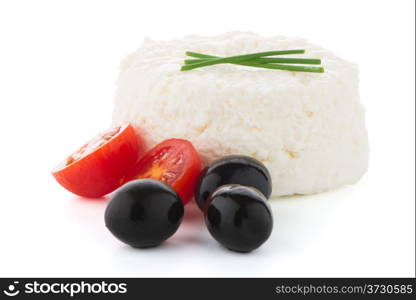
pixel 252 55
pixel 263 60
pixel 235 59
pixel 257 60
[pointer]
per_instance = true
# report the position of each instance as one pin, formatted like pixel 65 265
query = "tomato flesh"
pixel 98 167
pixel 93 144
pixel 175 162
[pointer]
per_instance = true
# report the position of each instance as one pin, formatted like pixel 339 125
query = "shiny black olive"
pixel 238 217
pixel 144 213
pixel 233 169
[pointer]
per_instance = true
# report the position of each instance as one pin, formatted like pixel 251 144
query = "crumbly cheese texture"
pixel 307 128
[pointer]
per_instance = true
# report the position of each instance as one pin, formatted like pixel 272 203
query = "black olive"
pixel 233 169
pixel 238 217
pixel 144 213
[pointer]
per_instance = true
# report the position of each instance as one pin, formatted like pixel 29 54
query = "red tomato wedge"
pixel 175 162
pixel 99 166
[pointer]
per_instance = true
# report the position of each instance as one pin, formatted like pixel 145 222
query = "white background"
pixel 58 64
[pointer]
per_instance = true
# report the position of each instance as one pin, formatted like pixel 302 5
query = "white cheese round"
pixel 307 128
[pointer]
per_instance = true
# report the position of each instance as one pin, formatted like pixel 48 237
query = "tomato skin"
pixel 184 175
pixel 101 171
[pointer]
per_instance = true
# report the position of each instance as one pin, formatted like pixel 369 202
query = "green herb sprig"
pixel 258 60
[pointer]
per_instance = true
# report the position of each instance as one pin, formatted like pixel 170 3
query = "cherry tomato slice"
pixel 175 162
pixel 99 166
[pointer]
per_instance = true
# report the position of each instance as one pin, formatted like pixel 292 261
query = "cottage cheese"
pixel 307 128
